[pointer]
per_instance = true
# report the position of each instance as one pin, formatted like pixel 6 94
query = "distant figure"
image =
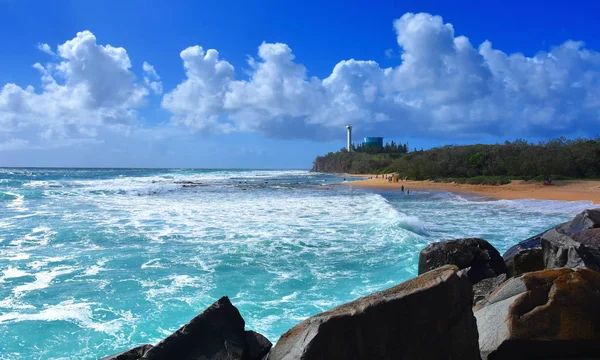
pixel 402 188
pixel 407 192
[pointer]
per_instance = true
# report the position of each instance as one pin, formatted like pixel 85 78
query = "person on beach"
pixel 402 188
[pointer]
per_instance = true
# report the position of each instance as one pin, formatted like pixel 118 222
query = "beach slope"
pixel 571 190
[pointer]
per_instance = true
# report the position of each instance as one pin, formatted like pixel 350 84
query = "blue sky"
pixel 286 77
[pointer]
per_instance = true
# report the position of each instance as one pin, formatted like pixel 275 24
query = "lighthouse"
pixel 349 134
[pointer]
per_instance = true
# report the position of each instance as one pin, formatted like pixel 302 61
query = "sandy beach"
pixel 517 189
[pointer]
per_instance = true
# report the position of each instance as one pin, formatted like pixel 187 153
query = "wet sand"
pixel 570 190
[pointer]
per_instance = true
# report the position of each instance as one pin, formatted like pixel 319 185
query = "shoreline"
pixel 564 190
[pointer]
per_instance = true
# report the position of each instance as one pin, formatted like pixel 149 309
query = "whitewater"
pixel 95 261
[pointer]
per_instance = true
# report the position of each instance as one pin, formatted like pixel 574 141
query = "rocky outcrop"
pixel 428 317
pixel 478 256
pixel 543 314
pixel 588 219
pixel 581 249
pixel 216 334
pixel 131 354
pixel 575 243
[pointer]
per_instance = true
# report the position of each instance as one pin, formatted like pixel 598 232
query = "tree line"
pixel 577 158
pixel 388 148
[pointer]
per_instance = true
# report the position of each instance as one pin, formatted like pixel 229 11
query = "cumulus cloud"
pixel 152 79
pixel 198 102
pixel 443 86
pixel 90 86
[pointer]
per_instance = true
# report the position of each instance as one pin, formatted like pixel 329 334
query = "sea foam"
pixel 100 260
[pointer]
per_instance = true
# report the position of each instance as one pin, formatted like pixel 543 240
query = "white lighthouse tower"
pixel 349 133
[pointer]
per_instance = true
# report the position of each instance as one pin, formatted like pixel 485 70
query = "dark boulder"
pixel 527 244
pixel 216 334
pixel 258 345
pixel 526 260
pixel 428 317
pixel 543 314
pixel 526 256
pixel 132 354
pixel 479 255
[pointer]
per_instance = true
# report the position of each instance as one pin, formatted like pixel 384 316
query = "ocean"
pixel 95 261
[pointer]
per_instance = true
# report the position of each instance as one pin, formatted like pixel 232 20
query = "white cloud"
pixel 152 79
pixel 91 86
pixel 46 48
pixel 199 100
pixel 443 86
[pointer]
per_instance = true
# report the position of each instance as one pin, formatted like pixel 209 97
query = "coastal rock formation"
pixel 575 243
pixel 428 317
pixel 258 345
pixel 548 313
pixel 581 249
pixel 131 354
pixel 216 334
pixel 479 256
pixel 525 256
pixel 588 219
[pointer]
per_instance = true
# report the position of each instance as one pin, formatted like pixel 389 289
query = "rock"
pixel 258 345
pixel 580 249
pixel 548 313
pixel 526 256
pixel 531 243
pixel 132 354
pixel 428 317
pixel 483 288
pixel 482 258
pixel 217 333
pixel 525 260
pixel 588 219
pixel 559 247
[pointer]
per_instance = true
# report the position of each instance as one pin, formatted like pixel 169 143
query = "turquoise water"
pixel 97 261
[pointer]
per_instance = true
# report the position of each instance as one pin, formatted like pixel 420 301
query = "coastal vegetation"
pixel 481 163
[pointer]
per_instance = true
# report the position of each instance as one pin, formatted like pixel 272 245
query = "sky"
pixel 272 84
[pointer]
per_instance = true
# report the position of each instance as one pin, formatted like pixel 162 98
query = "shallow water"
pixel 96 261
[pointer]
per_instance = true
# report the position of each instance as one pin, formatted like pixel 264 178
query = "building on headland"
pixel 349 136
pixel 373 141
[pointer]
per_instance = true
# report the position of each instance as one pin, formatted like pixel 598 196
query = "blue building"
pixel 375 141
